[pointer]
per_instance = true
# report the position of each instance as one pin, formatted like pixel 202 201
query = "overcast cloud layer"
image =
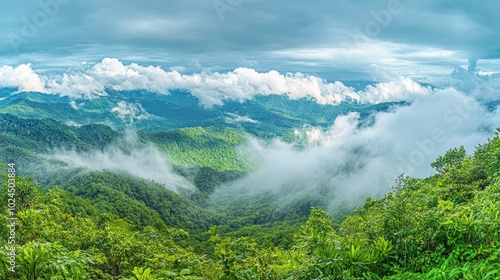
pixel 334 39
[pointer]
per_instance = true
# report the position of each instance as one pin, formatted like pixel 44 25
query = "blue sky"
pixel 340 39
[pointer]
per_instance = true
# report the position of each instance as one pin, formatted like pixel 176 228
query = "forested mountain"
pixel 212 147
pixel 445 226
pixel 266 116
pixel 141 199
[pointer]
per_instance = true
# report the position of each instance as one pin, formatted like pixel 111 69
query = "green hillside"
pixel 445 226
pixel 81 224
pixel 264 117
pixel 142 202
pixel 212 147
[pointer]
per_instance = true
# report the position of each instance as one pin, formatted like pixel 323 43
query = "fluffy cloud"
pixel 75 105
pixel 400 89
pixel 130 112
pixel 212 88
pixel 22 77
pixel 77 85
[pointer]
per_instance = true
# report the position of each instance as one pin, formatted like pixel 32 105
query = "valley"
pixel 187 202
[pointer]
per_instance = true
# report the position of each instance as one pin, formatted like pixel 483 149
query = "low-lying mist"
pixel 132 156
pixel 355 159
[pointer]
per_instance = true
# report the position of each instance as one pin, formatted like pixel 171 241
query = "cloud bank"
pixel 210 88
pixel 352 160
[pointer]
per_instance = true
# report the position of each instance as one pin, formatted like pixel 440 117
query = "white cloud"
pixel 484 86
pixel 237 118
pixel 73 123
pixel 486 73
pixel 178 68
pixel 210 88
pixel 23 77
pixel 73 104
pixel 399 89
pixel 76 85
pixel 130 112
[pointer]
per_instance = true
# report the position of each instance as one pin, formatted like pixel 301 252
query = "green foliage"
pixel 452 157
pixel 274 115
pixel 143 274
pixel 25 194
pixel 104 225
pixel 442 227
pixel 241 259
pixel 213 147
pixel 38 260
pixel 96 135
pixel 142 202
pixel 55 244
pixel 37 135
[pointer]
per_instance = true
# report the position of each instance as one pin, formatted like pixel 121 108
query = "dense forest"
pixel 112 226
pixel 212 147
pixel 267 116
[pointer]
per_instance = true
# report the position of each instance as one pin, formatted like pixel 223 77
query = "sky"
pixel 335 40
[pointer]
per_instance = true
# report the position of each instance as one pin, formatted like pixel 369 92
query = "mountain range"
pixel 61 142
